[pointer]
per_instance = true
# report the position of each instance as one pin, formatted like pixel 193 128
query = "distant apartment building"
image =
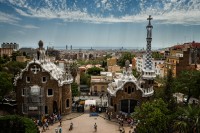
pixel 99 84
pixel 28 51
pixel 21 59
pixel 182 57
pixel 6 51
pixel 140 63
pixel 14 46
pixel 159 71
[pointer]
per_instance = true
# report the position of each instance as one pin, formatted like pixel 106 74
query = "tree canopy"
pixel 5 83
pixel 152 117
pixel 188 119
pixel 94 71
pixel 15 67
pixel 188 82
pixel 15 124
pixel 85 79
pixel 125 56
pixel 74 70
pixel 157 55
pixel 74 87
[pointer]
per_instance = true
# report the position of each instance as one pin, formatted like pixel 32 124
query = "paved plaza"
pixel 83 123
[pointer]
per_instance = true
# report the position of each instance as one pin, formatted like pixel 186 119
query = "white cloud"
pixel 173 12
pixel 8 18
pixel 30 27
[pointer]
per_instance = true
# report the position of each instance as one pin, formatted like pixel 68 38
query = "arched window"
pixel 67 103
pixel 129 90
pixel 111 101
pixel 115 107
pixel 125 89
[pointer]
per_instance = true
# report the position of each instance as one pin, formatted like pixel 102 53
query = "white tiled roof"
pixel 55 72
pixel 120 80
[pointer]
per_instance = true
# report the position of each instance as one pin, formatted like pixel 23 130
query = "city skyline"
pixel 99 23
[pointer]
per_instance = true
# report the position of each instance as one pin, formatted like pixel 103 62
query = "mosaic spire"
pixel 148 62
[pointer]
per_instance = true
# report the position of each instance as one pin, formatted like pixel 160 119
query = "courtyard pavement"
pixel 84 123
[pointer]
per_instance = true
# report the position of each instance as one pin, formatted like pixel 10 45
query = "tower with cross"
pixel 149 27
pixel 148 74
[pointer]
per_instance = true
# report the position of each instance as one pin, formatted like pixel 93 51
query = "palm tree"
pixel 74 70
pixel 188 120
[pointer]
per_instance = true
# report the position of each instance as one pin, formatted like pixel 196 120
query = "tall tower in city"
pixel 148 74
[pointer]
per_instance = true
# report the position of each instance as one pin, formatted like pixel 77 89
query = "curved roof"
pixel 55 72
pixel 126 77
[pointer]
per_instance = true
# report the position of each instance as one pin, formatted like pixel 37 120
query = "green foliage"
pixel 14 123
pixel 135 73
pixel 94 71
pixel 4 59
pixel 168 91
pixel 74 70
pixel 5 83
pixel 188 119
pixel 15 67
pixel 188 82
pixel 74 87
pixel 125 56
pixel 15 54
pixel 104 64
pixel 157 55
pixel 152 116
pixel 85 79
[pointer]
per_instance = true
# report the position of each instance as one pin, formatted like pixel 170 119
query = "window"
pixel 125 89
pixel 111 101
pixel 102 88
pixel 132 89
pixel 95 88
pixel 50 92
pixel 141 86
pixel 35 69
pixel 28 79
pixel 67 103
pixel 46 110
pixel 115 107
pixel 129 90
pixel 24 108
pixel 35 90
pixel 44 79
pixel 23 91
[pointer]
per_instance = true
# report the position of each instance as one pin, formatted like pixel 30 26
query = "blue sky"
pixel 98 23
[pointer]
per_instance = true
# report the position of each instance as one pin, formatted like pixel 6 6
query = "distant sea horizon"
pixel 102 48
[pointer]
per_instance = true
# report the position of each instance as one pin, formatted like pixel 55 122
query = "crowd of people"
pixel 122 119
pixel 47 120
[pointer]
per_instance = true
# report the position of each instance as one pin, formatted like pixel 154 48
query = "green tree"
pixel 15 54
pixel 5 84
pixel 135 73
pixel 85 79
pixel 74 70
pixel 152 116
pixel 94 71
pixel 104 64
pixel 14 124
pixel 188 120
pixel 188 82
pixel 125 56
pixel 157 55
pixel 15 67
pixel 168 91
pixel 74 87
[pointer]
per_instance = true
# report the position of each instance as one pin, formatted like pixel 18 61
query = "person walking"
pixel 95 127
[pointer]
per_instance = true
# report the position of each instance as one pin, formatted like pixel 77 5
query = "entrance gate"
pixel 128 105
